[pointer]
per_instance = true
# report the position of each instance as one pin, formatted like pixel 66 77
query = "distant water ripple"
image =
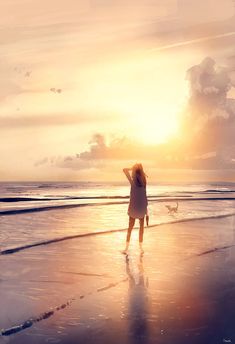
pixel 22 210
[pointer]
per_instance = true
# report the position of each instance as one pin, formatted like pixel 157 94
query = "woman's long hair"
pixel 138 175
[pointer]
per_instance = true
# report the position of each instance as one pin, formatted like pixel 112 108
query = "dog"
pixel 172 210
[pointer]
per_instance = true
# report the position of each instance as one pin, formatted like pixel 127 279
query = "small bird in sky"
pixel 27 74
pixel 56 90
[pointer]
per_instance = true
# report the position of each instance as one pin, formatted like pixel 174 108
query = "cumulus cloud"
pixel 99 149
pixel 99 152
pixel 209 124
pixel 209 86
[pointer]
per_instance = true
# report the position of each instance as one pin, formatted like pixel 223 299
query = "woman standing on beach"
pixel 138 201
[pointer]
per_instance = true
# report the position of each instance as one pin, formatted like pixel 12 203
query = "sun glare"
pixel 155 130
pixel 156 124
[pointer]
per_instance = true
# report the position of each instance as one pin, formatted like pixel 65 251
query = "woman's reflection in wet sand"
pixel 138 303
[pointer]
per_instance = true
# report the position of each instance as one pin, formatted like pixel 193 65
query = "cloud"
pixel 70 162
pixel 209 85
pixel 209 124
pixel 206 140
pixel 98 153
pixel 120 148
pixel 99 149
pixel 53 120
pixel 41 162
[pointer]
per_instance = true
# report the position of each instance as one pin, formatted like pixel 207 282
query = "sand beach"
pixel 84 290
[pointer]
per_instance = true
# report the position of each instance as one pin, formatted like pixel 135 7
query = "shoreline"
pixel 84 235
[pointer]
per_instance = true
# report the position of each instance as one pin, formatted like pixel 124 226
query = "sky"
pixel 90 87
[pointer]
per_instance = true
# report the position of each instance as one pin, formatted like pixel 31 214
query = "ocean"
pixel 33 213
pixel 58 290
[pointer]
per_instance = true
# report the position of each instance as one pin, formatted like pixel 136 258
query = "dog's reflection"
pixel 138 302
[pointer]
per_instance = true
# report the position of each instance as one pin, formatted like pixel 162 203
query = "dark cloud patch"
pixel 41 162
pixel 68 158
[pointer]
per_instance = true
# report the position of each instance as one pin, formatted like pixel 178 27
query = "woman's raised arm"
pixel 127 173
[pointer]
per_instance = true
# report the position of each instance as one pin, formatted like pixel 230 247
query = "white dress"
pixel 138 202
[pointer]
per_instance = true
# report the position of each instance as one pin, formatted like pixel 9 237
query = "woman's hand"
pixel 127 173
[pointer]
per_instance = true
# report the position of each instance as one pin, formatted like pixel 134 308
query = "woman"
pixel 138 201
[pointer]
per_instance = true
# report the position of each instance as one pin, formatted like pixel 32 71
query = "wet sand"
pixel 83 290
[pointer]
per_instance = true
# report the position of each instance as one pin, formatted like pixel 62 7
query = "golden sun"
pixel 156 124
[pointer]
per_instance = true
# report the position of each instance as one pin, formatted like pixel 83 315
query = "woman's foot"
pixel 126 249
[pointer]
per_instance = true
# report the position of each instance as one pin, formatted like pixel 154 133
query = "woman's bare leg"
pixel 141 233
pixel 128 236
